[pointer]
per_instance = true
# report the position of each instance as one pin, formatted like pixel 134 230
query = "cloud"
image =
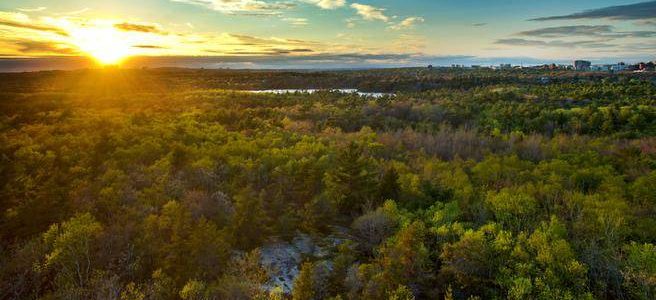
pixel 579 30
pixel 350 23
pixel 407 23
pixel 605 31
pixel 273 51
pixel 410 43
pixel 149 47
pixel 328 4
pixel 649 47
pixel 479 24
pixel 238 44
pixel 247 7
pixel 35 9
pixel 296 21
pixel 40 47
pixel 18 20
pixel 636 34
pixel 247 40
pixel 74 13
pixel 125 26
pixel 370 13
pixel 646 23
pixel 554 44
pixel 638 11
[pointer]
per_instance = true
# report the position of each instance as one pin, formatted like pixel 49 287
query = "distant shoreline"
pixel 9 64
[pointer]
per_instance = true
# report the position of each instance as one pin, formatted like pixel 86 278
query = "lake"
pixel 312 91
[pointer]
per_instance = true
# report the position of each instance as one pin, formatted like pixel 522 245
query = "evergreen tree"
pixel 249 226
pixel 318 215
pixel 351 183
pixel 304 284
pixel 389 188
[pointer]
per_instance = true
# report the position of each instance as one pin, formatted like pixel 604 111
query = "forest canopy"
pixel 180 184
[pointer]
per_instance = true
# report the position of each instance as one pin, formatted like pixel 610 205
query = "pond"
pixel 312 91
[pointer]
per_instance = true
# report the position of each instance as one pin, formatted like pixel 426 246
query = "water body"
pixel 312 91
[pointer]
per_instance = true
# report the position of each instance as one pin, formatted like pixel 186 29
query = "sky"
pixel 325 33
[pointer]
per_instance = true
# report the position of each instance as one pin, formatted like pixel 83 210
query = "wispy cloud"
pixel 248 7
pixel 296 21
pixel 19 20
pixel 638 11
pixel 272 51
pixel 646 23
pixel 479 24
pixel 240 44
pixel 44 47
pixel 407 23
pixel 34 9
pixel 554 43
pixel 636 34
pixel 249 40
pixel 145 28
pixel 560 31
pixel 148 47
pixel 350 23
pixel 370 13
pixel 605 31
pixel 327 4
pixel 74 12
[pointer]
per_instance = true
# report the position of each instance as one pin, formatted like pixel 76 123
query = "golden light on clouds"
pixel 111 40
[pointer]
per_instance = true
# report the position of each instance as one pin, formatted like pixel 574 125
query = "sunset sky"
pixel 243 33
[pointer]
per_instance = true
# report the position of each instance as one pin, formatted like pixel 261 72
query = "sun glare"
pixel 105 45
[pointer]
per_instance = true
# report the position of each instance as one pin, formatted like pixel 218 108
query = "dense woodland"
pixel 165 184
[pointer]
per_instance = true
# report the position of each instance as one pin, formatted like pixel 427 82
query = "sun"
pixel 106 45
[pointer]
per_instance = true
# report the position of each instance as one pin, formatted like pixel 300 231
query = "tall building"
pixel 582 65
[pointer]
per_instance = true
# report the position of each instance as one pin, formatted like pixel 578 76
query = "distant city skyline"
pixel 324 33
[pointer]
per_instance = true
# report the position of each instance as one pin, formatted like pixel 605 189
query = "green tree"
pixel 643 190
pixel 402 261
pixel 389 188
pixel 249 226
pixel 243 279
pixel 474 261
pixel 401 293
pixel 132 292
pixel 639 270
pixel 304 285
pixel 345 258
pixel 544 266
pixel 318 215
pixel 350 184
pixel 182 247
pixel 194 290
pixel 513 208
pixel 70 255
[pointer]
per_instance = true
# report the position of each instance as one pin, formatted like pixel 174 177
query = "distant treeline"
pixel 377 80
